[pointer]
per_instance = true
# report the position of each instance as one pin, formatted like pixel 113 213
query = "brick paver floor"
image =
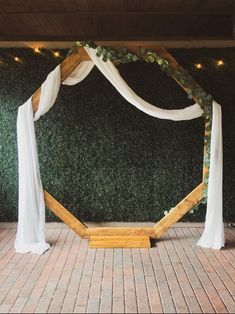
pixel 175 276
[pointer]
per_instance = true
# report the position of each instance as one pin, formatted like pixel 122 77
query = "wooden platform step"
pixel 119 242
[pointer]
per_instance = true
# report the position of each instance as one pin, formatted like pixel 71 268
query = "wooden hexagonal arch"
pixel 122 236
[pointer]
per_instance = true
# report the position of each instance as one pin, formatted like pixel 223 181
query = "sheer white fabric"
pixel 30 233
pixel 31 215
pixel 213 234
pixel 112 74
pixel 49 92
pixel 31 207
pixel 80 73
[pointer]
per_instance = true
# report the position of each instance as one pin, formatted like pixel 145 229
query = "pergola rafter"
pixel 128 236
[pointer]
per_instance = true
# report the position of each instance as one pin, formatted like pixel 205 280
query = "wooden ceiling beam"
pixel 91 13
pixel 146 44
pixel 99 38
pixel 233 20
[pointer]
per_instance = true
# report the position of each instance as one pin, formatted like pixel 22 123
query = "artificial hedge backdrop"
pixel 102 158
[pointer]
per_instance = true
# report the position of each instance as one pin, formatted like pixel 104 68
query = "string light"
pixel 37 50
pixel 56 54
pixel 219 63
pixel 17 59
pixel 198 66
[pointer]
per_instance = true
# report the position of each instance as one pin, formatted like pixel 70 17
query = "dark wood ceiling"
pixel 116 19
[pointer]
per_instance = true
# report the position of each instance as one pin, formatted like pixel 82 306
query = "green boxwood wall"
pixel 101 157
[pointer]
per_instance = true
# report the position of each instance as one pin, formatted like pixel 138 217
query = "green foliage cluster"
pixel 102 158
pixel 117 56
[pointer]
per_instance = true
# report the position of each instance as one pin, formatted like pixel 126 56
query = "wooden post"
pixel 61 212
pixel 197 194
pixel 174 64
pixel 179 211
pixel 163 52
pixel 66 68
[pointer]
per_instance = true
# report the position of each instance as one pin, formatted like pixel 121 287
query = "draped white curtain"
pixel 31 216
pixel 213 234
pixel 31 207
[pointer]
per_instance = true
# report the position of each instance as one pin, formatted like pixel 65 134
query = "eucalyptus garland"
pixel 182 76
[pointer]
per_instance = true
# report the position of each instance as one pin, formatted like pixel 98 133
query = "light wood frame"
pixel 120 236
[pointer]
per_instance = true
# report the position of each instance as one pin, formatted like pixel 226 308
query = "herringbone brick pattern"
pixel 175 276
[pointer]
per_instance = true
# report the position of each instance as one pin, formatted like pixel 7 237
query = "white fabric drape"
pixel 31 208
pixel 31 215
pixel 49 92
pixel 30 232
pixel 80 73
pixel 213 234
pixel 112 74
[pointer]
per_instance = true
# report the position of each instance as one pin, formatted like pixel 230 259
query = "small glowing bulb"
pixel 17 59
pixel 220 62
pixel 37 50
pixel 56 54
pixel 198 66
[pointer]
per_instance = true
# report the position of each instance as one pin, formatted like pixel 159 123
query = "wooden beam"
pixel 174 64
pixel 179 210
pixel 67 66
pixel 233 26
pixel 61 212
pixel 190 43
pixel 125 13
pixel 121 231
pixel 166 41
pixel 119 242
pixel 167 56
